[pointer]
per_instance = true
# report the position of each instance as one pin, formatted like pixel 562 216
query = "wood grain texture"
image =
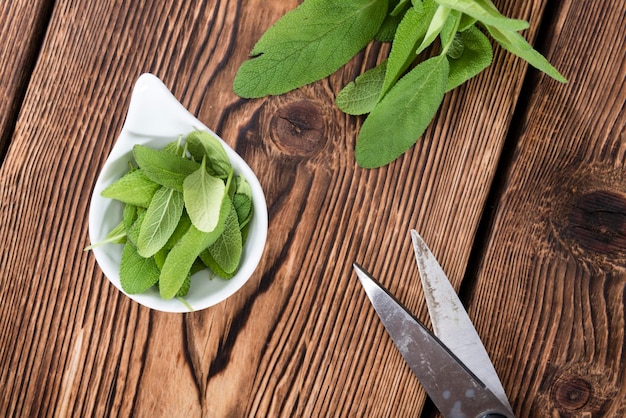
pixel 24 25
pixel 300 339
pixel 554 273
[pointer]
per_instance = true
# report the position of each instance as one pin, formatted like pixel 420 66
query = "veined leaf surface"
pixel 203 196
pixel 403 115
pixel 307 44
pixel 160 221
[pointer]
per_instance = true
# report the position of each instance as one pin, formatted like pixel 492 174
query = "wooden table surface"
pixel 518 186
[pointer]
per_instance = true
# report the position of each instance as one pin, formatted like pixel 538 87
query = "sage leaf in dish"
pixel 184 288
pixel 202 144
pixel 209 261
pixel 181 201
pixel 160 221
pixel 160 256
pixel 242 201
pixel 134 188
pixel 181 257
pixel 243 207
pixel 129 215
pixel 163 167
pixel 226 250
pixel 137 274
pixel 181 229
pixel 175 148
pixel 203 196
pixel 132 232
pixel 117 234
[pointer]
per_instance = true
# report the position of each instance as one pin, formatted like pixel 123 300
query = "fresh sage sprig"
pixel 185 210
pixel 402 94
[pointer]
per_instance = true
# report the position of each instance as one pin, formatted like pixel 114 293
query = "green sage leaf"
pixel 160 221
pixel 483 12
pixel 242 201
pixel 181 229
pixel 201 144
pixel 361 95
pixel 400 7
pixel 437 23
pixel 209 261
pixel 163 167
pixel 466 22
pixel 132 233
pixel 516 44
pixel 456 47
pixel 129 215
pixel 174 147
pixel 307 44
pixel 448 30
pixel 389 26
pixel 409 35
pixel 184 288
pixel 134 188
pixel 403 114
pixel 181 257
pixel 227 249
pixel 243 206
pixel 137 274
pixel 476 56
pixel 160 256
pixel 203 196
pixel 117 235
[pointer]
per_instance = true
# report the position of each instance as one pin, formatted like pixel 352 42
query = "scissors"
pixel 451 363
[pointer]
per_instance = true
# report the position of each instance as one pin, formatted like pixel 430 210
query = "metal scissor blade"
pixel 450 320
pixel 456 392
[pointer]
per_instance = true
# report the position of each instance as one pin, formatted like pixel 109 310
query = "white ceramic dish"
pixel 156 118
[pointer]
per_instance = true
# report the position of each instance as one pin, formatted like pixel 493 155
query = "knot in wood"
pixel 583 390
pixel 572 394
pixel 298 128
pixel 597 221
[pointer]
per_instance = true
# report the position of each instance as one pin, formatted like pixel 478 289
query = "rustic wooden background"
pixel 518 186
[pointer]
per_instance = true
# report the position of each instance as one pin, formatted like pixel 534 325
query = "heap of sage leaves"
pixel 402 94
pixel 184 210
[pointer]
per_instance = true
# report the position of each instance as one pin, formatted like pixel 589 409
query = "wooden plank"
pixel 24 24
pixel 550 291
pixel 299 339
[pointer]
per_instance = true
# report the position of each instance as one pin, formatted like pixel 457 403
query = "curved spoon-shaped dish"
pixel 154 119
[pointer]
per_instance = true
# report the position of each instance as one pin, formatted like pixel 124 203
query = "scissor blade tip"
pixel 416 236
pixel 360 273
pixel 366 280
pixel 419 246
